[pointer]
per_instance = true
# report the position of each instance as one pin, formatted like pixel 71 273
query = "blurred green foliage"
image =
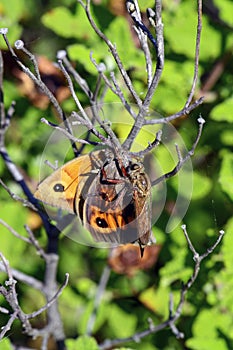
pixel 128 302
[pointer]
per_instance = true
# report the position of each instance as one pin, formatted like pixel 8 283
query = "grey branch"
pixel 173 314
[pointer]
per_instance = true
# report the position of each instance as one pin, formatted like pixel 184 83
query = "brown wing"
pixel 65 184
pixel 142 197
pixel 110 210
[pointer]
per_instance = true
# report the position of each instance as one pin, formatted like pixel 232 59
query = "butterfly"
pixel 112 201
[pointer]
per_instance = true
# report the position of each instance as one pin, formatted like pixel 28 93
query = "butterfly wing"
pixel 65 184
pixel 143 204
pixel 109 211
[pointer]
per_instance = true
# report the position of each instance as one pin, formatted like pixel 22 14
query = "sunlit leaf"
pixel 223 112
pixel 226 174
pixel 82 343
pixel 5 344
pixel 122 323
pixel 206 332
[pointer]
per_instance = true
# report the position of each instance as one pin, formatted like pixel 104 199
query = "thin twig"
pixel 7 327
pixel 197 53
pixel 73 94
pixel 52 300
pixel 151 145
pixel 67 133
pixel 99 294
pixel 14 196
pixel 144 108
pixel 35 243
pixel 117 91
pixel 61 55
pixel 140 28
pixel 113 51
pixel 2 110
pixel 15 233
pixel 22 277
pixel 34 78
pixel 173 315
pixel 19 45
pixel 183 112
pixel 182 160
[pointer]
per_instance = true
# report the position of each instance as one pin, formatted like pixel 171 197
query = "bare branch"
pixel 52 300
pixel 133 10
pixel 117 91
pixel 184 111
pixel 173 315
pixel 22 277
pixel 61 55
pixel 2 110
pixel 151 146
pixel 70 136
pixel 197 53
pixel 14 196
pixel 73 94
pixel 101 288
pixel 144 108
pixel 113 50
pixel 182 160
pixel 35 243
pixel 15 233
pixel 7 327
pixel 33 77
pixel 19 45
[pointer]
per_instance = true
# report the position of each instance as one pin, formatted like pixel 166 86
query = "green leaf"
pixel 86 287
pixel 225 278
pixel 10 92
pixel 8 5
pixel 175 84
pixel 118 32
pixel 82 343
pixel 206 330
pixel 11 247
pixel 68 25
pixel 227 137
pixel 122 323
pixel 61 21
pixel 226 174
pixel 183 19
pixel 223 111
pixel 175 269
pixel 201 186
pixel 204 343
pixel 225 8
pixel 81 54
pixel 156 299
pixel 5 344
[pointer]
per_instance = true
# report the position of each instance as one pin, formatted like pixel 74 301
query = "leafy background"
pixel 207 320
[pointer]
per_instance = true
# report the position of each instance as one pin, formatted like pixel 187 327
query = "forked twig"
pixel 173 314
pixel 182 160
pixel 113 51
